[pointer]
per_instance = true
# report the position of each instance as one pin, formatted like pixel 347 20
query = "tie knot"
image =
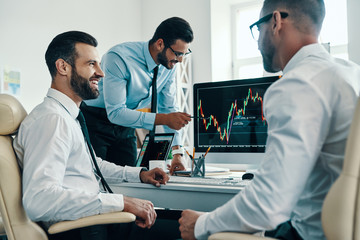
pixel 80 117
pixel 156 70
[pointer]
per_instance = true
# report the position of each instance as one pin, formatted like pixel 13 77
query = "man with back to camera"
pixel 309 112
pixel 129 70
pixel 59 180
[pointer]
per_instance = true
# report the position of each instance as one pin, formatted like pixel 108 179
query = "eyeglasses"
pixel 180 54
pixel 255 34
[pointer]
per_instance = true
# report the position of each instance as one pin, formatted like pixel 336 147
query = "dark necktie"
pixel 154 91
pixel 85 132
pixel 153 102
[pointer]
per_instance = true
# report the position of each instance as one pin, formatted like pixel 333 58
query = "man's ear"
pixel 62 67
pixel 277 24
pixel 160 45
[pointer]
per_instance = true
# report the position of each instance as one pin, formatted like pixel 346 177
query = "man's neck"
pixel 68 92
pixel 293 45
pixel 153 52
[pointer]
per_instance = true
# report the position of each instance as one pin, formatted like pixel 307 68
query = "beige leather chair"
pixel 17 225
pixel 2 229
pixel 341 210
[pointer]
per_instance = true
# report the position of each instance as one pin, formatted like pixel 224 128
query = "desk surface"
pixel 180 196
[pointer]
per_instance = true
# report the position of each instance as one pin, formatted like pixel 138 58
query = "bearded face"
pixel 163 60
pixel 81 86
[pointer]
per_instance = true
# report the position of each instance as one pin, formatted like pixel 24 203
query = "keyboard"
pixel 233 182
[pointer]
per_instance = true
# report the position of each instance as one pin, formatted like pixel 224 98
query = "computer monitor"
pixel 228 117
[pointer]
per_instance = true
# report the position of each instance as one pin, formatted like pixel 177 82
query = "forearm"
pixel 161 119
pixel 116 174
pixel 55 203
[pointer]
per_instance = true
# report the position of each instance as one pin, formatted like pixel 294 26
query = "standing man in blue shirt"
pixel 126 87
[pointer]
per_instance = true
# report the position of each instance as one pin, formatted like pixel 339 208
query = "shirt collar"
pixel 148 58
pixel 69 105
pixel 312 49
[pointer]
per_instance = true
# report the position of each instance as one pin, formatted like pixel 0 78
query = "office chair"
pixel 2 230
pixel 17 225
pixel 341 209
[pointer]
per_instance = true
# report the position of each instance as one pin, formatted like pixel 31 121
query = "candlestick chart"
pixel 232 116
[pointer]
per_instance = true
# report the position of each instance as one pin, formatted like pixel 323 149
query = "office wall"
pixel 27 28
pixel 197 13
pixel 353 30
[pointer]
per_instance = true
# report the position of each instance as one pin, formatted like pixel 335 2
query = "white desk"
pixel 179 196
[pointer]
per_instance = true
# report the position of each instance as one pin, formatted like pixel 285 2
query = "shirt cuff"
pixel 200 230
pixel 177 138
pixel 149 120
pixel 132 174
pixel 111 202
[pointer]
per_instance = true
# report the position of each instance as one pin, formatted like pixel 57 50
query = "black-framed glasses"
pixel 180 54
pixel 255 34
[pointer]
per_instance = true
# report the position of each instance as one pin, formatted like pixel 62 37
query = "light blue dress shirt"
pixel 58 179
pixel 309 112
pixel 128 69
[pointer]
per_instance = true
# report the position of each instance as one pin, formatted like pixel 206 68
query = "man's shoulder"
pixel 128 49
pixel 45 110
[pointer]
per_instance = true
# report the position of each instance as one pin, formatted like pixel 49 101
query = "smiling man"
pixel 60 178
pixel 127 87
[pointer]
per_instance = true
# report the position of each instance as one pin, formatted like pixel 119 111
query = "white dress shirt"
pixel 309 112
pixel 58 179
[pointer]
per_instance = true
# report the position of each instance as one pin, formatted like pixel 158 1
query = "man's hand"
pixel 175 120
pixel 155 177
pixel 177 164
pixel 187 224
pixel 142 209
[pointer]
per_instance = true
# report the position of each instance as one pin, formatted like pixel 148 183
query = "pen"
pixel 207 151
pixel 193 162
pixel 199 117
pixel 188 153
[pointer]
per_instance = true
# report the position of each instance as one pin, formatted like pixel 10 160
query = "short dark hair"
pixel 300 11
pixel 173 29
pixel 63 46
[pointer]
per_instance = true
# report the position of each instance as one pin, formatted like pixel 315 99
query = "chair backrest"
pixel 2 228
pixel 17 225
pixel 341 210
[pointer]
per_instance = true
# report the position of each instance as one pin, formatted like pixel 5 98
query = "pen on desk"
pixel 193 161
pixel 207 151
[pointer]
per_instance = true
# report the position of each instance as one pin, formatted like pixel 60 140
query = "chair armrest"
pixel 235 236
pixel 106 218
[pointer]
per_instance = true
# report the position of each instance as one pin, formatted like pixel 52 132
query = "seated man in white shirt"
pixel 59 179
pixel 309 112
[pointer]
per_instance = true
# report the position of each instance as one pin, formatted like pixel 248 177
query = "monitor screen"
pixel 228 115
pixel 158 150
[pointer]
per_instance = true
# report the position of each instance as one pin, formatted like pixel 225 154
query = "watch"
pixel 178 151
pixel 144 169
